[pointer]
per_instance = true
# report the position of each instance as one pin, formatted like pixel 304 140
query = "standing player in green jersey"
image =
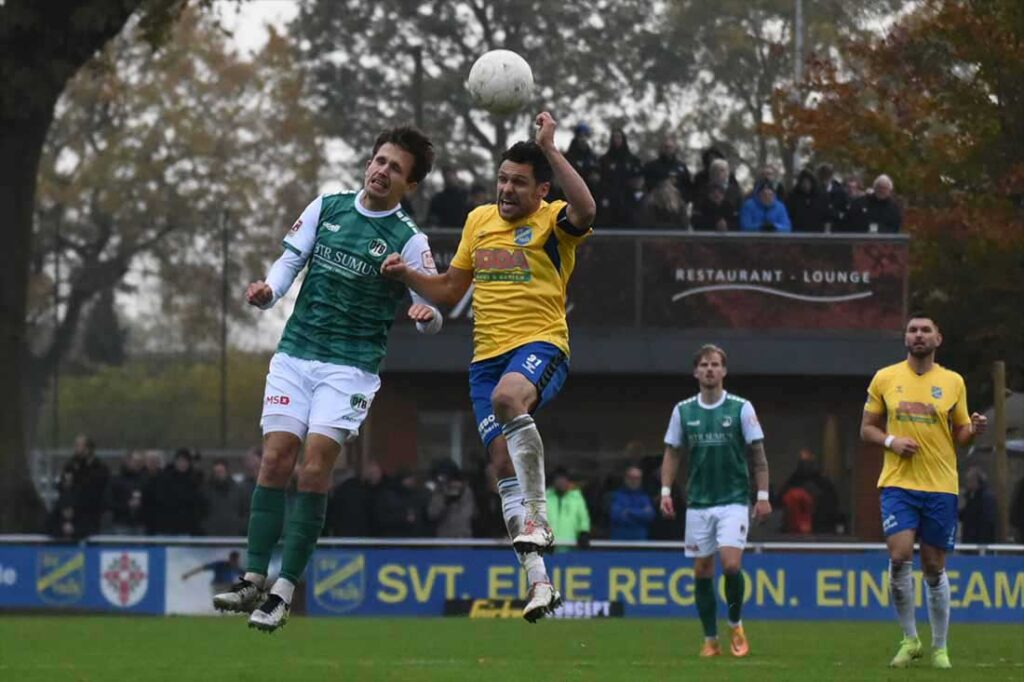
pixel 324 375
pixel 718 431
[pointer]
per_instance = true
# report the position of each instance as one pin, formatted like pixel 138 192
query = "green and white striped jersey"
pixel 345 308
pixel 716 438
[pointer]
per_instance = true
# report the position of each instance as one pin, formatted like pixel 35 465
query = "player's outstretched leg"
pixel 901 588
pixel 540 600
pixel 266 520
pixel 526 449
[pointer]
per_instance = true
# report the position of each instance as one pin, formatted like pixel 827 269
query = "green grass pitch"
pixel 184 649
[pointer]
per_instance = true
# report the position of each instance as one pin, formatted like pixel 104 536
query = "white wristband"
pixel 889 439
pixel 666 491
pixel 762 495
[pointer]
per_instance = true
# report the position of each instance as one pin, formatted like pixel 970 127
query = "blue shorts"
pixel 544 364
pixel 932 515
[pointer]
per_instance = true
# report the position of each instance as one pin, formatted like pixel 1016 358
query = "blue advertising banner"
pixel 801 586
pixel 122 579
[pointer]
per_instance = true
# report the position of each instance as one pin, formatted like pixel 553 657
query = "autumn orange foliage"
pixel 937 103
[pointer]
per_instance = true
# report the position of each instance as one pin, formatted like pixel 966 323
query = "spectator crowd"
pixel 150 496
pixel 662 193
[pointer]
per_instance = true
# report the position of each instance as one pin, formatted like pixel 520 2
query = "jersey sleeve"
pixel 566 232
pixel 876 402
pixel 751 427
pixel 674 434
pixel 417 255
pixel 302 235
pixel 463 259
pixel 961 416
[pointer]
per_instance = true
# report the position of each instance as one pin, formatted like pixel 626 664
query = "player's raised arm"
pixel 582 208
pixel 446 289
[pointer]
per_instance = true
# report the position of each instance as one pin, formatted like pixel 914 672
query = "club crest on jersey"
pixel 378 247
pixel 359 402
pixel 936 392
pixel 726 422
pixel 524 235
pixel 339 580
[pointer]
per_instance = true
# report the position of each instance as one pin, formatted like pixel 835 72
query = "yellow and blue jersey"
pixel 521 272
pixel 927 408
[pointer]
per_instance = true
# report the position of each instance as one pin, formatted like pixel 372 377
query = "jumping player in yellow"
pixel 917 411
pixel 518 254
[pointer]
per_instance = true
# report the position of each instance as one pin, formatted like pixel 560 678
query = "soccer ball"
pixel 500 82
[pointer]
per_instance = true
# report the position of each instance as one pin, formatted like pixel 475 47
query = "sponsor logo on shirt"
pixel 889 522
pixel 277 400
pixel 918 413
pixel 501 265
pixel 331 227
pixel 343 263
pixel 693 423
pixel 427 259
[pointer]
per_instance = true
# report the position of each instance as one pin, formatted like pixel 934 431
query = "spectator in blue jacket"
pixel 762 212
pixel 632 510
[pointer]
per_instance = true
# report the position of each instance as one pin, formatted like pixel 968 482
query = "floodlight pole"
pixel 225 243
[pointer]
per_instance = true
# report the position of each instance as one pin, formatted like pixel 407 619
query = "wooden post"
pixel 1002 473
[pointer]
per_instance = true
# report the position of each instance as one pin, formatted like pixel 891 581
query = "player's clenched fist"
pixel 421 313
pixel 393 267
pixel 668 510
pixel 259 294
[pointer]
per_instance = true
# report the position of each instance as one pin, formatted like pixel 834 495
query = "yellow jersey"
pixel 521 272
pixel 925 408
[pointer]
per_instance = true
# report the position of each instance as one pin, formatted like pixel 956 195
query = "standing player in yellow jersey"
pixel 917 411
pixel 519 254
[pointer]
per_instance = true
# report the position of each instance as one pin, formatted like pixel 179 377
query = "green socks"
pixel 734 595
pixel 305 522
pixel 266 519
pixel 706 607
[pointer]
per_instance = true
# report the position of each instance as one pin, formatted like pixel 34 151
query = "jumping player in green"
pixel 718 431
pixel 324 375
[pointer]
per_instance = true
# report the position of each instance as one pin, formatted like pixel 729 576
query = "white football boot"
pixel 536 537
pixel 271 615
pixel 243 597
pixel 541 600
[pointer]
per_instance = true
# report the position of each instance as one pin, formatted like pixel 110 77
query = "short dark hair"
pixel 413 141
pixel 530 153
pixel 920 315
pixel 708 349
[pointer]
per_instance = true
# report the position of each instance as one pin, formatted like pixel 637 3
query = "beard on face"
pixel 921 351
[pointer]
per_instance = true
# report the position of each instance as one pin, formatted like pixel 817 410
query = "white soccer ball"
pixel 501 82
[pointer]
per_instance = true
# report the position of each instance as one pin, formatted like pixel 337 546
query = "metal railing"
pixel 239 541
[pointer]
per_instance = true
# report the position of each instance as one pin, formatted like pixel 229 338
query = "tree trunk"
pixel 21 144
pixel 42 45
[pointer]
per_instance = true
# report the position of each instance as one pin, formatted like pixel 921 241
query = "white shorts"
pixel 708 530
pixel 318 394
